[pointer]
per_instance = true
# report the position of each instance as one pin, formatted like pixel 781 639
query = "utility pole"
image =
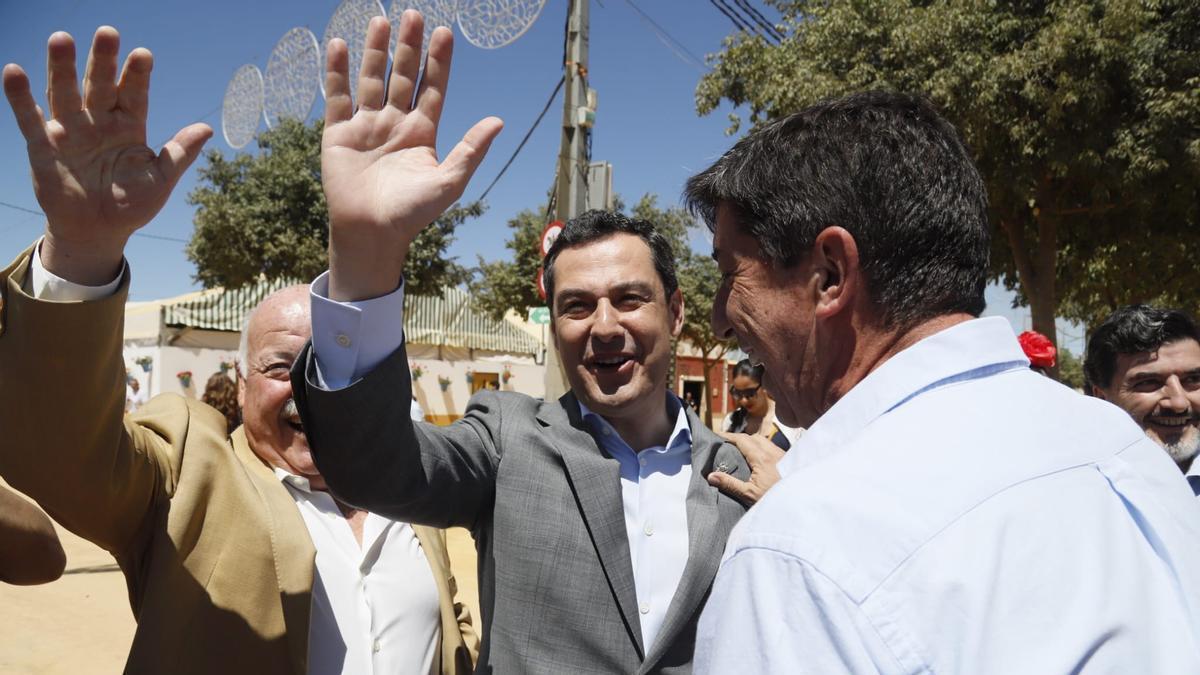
pixel 570 181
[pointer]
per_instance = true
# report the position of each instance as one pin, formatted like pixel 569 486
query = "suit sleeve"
pixel 67 443
pixel 374 456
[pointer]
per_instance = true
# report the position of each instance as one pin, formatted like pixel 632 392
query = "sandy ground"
pixel 82 622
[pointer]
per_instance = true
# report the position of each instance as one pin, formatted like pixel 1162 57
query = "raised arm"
pixel 384 184
pixel 66 442
pixel 383 181
pixel 93 174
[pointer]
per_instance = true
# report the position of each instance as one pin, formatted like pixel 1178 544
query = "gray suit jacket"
pixel 544 503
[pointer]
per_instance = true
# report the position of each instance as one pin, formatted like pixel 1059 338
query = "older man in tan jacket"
pixel 235 557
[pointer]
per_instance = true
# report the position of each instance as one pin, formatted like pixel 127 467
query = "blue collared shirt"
pixel 957 513
pixel 654 485
pixel 351 338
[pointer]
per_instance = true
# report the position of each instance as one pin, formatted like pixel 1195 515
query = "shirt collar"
pixel 682 433
pixel 1194 468
pixel 299 482
pixel 965 351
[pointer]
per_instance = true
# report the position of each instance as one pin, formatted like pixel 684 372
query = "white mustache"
pixel 289 409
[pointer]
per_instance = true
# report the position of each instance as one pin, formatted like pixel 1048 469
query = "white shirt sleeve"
pixel 351 338
pixel 45 285
pixel 770 612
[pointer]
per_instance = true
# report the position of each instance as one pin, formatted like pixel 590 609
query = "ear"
pixel 835 261
pixel 1099 393
pixel 675 305
pixel 241 387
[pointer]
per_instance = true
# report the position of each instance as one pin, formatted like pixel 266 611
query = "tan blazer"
pixel 216 555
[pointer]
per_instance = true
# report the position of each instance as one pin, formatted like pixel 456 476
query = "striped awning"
pixel 448 320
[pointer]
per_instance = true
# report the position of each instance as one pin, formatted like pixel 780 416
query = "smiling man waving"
pixel 598 534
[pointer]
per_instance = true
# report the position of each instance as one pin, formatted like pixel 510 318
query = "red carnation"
pixel 1038 348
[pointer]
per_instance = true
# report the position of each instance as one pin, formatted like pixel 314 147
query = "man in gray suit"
pixel 598 534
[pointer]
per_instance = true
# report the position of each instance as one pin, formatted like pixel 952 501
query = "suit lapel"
pixel 295 556
pixel 708 528
pixel 595 480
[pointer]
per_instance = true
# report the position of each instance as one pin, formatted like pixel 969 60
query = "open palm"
pixel 93 174
pixel 382 178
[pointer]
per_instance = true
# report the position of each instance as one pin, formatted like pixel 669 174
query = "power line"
pixel 740 22
pixel 758 18
pixel 671 43
pixel 737 21
pixel 549 102
pixel 144 235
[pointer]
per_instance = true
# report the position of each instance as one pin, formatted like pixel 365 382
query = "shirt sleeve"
pixel 351 338
pixel 45 285
pixel 772 613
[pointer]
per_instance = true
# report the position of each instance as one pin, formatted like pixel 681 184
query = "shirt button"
pixel 645 608
pixel 375 646
pixel 343 339
pixel 606 431
pixel 649 530
pixel 642 461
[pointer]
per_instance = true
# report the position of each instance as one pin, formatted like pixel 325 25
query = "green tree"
pixel 505 285
pixel 1070 369
pixel 265 214
pixel 1083 115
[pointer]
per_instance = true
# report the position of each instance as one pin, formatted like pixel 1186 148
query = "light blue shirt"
pixel 654 485
pixel 957 513
pixel 351 338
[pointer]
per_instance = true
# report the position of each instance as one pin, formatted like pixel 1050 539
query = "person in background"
pixel 30 552
pixel 755 412
pixel 1146 361
pixel 221 393
pixel 1040 350
pixel 134 396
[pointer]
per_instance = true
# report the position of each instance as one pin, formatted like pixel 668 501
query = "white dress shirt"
pixel 375 607
pixel 956 512
pixel 654 485
pixel 350 339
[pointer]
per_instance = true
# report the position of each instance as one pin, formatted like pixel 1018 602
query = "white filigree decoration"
pixel 435 12
pixel 243 106
pixel 349 22
pixel 293 76
pixel 490 24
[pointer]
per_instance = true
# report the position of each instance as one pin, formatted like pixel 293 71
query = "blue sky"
pixel 646 125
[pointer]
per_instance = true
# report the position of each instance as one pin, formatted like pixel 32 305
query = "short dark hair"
pixel 1132 330
pixel 886 167
pixel 750 369
pixel 595 225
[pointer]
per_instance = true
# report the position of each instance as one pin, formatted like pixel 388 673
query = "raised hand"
pixel 383 182
pixel 93 174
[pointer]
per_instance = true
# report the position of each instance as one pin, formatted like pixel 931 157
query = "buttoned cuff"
pixel 45 285
pixel 351 338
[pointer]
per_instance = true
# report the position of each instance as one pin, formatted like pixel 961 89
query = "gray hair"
pixel 244 344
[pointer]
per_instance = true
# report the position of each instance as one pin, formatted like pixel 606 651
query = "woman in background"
pixel 221 393
pixel 755 413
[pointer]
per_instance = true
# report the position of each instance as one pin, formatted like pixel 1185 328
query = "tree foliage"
pixel 1083 116
pixel 1070 369
pixel 265 214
